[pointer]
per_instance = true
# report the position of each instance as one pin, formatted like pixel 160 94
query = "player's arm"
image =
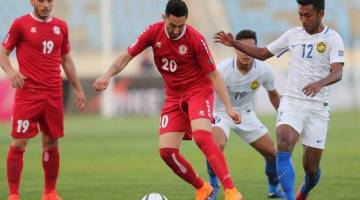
pixel 334 76
pixel 68 65
pixel 116 67
pixel 220 88
pixel 253 51
pixel 17 79
pixel 274 98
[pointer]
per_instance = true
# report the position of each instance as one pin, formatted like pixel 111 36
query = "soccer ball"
pixel 154 196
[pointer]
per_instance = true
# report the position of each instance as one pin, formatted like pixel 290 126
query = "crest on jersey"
pixel 321 47
pixel 56 30
pixel 183 49
pixel 254 84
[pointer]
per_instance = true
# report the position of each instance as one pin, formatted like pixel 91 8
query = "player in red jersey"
pixel 42 45
pixel 185 63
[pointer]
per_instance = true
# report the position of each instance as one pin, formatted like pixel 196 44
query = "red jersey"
pixel 39 48
pixel 184 62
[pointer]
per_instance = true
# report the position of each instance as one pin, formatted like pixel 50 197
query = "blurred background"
pixel 104 136
pixel 100 30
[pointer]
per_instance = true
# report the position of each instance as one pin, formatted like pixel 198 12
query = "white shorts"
pixel 250 129
pixel 309 118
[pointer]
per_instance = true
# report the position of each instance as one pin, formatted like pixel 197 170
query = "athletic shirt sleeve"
pixel 280 45
pixel 337 50
pixel 203 54
pixel 143 41
pixel 13 36
pixel 269 82
pixel 65 47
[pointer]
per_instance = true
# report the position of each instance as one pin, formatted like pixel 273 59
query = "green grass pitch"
pixel 118 159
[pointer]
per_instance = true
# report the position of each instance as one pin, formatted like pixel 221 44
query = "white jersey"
pixel 242 88
pixel 310 59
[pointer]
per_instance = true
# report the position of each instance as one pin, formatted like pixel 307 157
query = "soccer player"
pixel 316 62
pixel 243 76
pixel 184 60
pixel 42 45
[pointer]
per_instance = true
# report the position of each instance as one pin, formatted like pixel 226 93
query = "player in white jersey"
pixel 316 61
pixel 243 76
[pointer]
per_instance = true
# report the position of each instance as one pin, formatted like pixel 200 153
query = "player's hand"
pixel 236 117
pixel 101 84
pixel 17 80
pixel 312 89
pixel 80 100
pixel 224 38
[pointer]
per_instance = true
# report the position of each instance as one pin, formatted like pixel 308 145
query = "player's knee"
pixel 50 143
pixel 166 153
pixel 311 170
pixel 20 143
pixel 202 138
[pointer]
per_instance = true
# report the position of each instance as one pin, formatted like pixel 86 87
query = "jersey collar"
pixel 324 31
pixel 49 19
pixel 180 36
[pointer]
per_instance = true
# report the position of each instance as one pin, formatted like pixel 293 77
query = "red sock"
pixel 14 168
pixel 50 163
pixel 180 166
pixel 215 157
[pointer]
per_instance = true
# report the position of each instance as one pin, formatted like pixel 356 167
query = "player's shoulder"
pixel 22 19
pixel 262 66
pixel 58 21
pixel 331 33
pixel 295 31
pixel 156 26
pixel 193 33
pixel 225 64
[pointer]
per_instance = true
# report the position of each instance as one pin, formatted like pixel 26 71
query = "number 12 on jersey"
pixel 307 50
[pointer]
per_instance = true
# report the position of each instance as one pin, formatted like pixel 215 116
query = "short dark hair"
pixel 246 34
pixel 177 8
pixel 319 5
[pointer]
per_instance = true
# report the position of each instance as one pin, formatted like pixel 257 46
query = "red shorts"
pixel 37 109
pixel 179 110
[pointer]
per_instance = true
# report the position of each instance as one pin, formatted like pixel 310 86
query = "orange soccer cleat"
pixel 13 197
pixel 232 194
pixel 204 192
pixel 51 196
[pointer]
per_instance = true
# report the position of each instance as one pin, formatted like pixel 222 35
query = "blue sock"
pixel 310 182
pixel 286 173
pixel 212 176
pixel 270 171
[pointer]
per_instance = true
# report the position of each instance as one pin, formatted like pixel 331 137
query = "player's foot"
pixel 233 194
pixel 300 195
pixel 13 197
pixel 214 194
pixel 277 195
pixel 51 196
pixel 204 192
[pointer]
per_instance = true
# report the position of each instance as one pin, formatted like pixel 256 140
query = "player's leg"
pixel 290 123
pixel 200 106
pixel 313 138
pixel 15 165
pixel 52 127
pixel 169 144
pixel 50 163
pixel 286 139
pixel 201 129
pixel 220 139
pixel 26 112
pixel 265 147
pixel 311 164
